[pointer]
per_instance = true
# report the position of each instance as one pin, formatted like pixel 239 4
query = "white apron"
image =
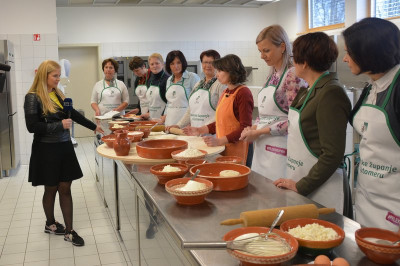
pixel 300 159
pixel 156 103
pixel 270 151
pixel 201 111
pixel 177 103
pixel 378 188
pixel 110 98
pixel 140 91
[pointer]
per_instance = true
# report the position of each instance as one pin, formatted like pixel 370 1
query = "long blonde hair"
pixel 277 35
pixel 39 86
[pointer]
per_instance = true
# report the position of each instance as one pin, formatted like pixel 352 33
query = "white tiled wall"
pixel 246 50
pixel 28 56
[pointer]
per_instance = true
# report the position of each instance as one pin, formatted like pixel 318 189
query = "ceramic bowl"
pixel 247 259
pixel 163 177
pixel 180 159
pixel 310 247
pixel 210 171
pixel 192 162
pixel 137 135
pixel 145 130
pixel 229 159
pixel 378 253
pixel 159 148
pixel 109 140
pixel 188 197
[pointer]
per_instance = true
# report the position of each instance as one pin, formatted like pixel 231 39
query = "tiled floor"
pixel 22 240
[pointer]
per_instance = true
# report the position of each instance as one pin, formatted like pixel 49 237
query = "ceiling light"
pixel 268 1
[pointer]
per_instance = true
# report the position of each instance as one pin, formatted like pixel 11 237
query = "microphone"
pixel 68 106
pixel 5 67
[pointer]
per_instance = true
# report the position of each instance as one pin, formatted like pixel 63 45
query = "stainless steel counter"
pixel 201 222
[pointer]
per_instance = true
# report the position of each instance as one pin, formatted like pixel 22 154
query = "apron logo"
pixel 151 92
pixel 277 150
pixel 394 219
pixel 197 99
pixel 263 100
pixel 173 94
pixel 364 127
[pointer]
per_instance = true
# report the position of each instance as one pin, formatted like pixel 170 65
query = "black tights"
pixel 64 193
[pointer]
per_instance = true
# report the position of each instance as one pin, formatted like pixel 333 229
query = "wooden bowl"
pixel 210 171
pixel 137 135
pixel 310 247
pixel 378 253
pixel 159 148
pixel 247 259
pixel 192 162
pixel 109 140
pixel 188 197
pixel 229 159
pixel 163 177
pixel 180 159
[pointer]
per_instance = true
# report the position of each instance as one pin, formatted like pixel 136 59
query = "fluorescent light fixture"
pixel 268 1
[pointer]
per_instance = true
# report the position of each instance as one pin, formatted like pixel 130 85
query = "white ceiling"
pixel 190 3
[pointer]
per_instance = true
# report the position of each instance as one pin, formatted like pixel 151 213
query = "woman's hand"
pixel 169 127
pixel 212 141
pixel 67 123
pixel 98 113
pixel 99 129
pixel 133 112
pixel 249 134
pixel 286 183
pixel 191 131
pixel 145 116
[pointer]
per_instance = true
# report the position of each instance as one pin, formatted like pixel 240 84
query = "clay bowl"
pixel 188 197
pixel 145 130
pixel 130 137
pixel 192 162
pixel 137 135
pixel 310 247
pixel 378 253
pixel 109 140
pixel 115 125
pixel 180 159
pixel 163 177
pixel 159 148
pixel 247 259
pixel 211 172
pixel 229 159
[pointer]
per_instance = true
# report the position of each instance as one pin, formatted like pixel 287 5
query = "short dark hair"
pixel 210 53
pixel 136 62
pixel 233 65
pixel 171 56
pixel 113 62
pixel 316 49
pixel 373 44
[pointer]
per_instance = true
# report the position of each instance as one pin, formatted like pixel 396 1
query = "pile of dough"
pixel 192 186
pixel 168 168
pixel 229 173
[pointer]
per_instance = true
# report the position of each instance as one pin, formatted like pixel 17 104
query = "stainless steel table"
pixel 201 222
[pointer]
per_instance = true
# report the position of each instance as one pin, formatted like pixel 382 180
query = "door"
pixel 83 75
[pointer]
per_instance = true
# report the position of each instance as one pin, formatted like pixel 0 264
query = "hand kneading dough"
pixel 229 173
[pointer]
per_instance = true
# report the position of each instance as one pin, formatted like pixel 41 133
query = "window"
pixel 324 13
pixel 386 8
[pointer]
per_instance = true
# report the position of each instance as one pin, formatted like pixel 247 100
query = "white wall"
pixel 24 18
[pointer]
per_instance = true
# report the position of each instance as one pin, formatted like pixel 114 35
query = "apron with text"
pixel 156 103
pixel 300 159
pixel 201 111
pixel 177 103
pixel 110 98
pixel 140 91
pixel 226 122
pixel 270 151
pixel 378 182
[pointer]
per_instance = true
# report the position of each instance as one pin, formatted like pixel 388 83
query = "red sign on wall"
pixel 36 37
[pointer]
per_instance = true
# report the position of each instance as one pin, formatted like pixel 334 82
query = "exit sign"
pixel 36 37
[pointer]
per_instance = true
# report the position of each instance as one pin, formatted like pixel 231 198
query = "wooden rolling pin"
pixel 176 131
pixel 266 217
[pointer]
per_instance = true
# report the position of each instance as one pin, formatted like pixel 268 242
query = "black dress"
pixel 53 157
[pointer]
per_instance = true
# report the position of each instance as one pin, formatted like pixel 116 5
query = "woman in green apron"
pixel 109 94
pixel 179 86
pixel 373 48
pixel 318 120
pixel 138 67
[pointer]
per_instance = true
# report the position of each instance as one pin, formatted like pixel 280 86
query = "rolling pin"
pixel 267 216
pixel 176 131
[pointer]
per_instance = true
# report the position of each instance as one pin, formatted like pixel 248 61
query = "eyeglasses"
pixel 207 62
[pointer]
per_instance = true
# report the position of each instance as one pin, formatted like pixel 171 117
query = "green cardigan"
pixel 324 122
